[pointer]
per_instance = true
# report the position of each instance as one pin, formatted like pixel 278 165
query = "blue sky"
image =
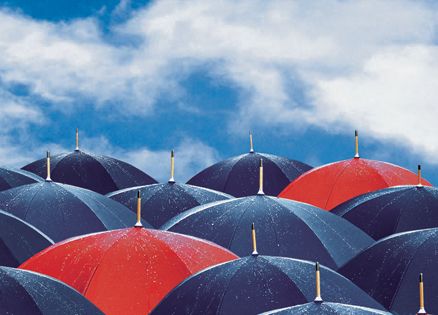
pixel 140 78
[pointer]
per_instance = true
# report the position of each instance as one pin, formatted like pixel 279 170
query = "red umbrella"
pixel 127 271
pixel 329 185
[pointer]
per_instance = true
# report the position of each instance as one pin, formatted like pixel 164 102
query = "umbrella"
pixel 392 210
pixel 161 202
pixel 10 178
pixel 99 173
pixel 329 185
pixel 388 270
pixel 238 175
pixel 319 306
pixel 61 211
pixel 127 271
pixel 286 228
pixel 25 292
pixel 327 308
pixel 256 284
pixel 19 240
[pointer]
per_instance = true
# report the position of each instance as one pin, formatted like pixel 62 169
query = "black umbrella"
pixel 19 240
pixel 327 308
pixel 238 176
pixel 256 284
pixel 99 173
pixel 388 270
pixel 28 293
pixel 63 211
pixel 10 178
pixel 286 228
pixel 392 210
pixel 161 202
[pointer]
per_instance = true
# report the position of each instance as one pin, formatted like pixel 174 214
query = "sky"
pixel 139 78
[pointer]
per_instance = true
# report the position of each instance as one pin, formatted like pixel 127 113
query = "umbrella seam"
pixel 237 226
pixel 30 201
pixel 336 181
pixel 226 289
pixel 229 173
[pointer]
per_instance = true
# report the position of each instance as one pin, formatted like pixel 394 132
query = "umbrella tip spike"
pixel 356 144
pixel 254 241
pixel 251 144
pixel 48 179
pixel 138 223
pixel 422 310
pixel 77 140
pixel 172 167
pixel 318 298
pixel 261 192
pixel 419 183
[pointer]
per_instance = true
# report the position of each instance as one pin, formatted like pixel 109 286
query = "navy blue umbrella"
pixel 62 211
pixel 327 308
pixel 392 210
pixel 256 284
pixel 19 240
pixel 161 202
pixel 389 269
pixel 30 293
pixel 99 173
pixel 10 178
pixel 286 228
pixel 238 176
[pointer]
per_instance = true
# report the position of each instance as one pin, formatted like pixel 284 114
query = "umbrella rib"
pixel 336 181
pixel 226 289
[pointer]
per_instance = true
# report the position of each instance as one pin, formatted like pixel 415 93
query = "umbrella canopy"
pixel 99 173
pixel 19 240
pixel 10 178
pixel 25 292
pixel 286 228
pixel 238 176
pixel 327 308
pixel 392 210
pixel 389 269
pixel 127 271
pixel 256 284
pixel 332 184
pixel 62 211
pixel 161 202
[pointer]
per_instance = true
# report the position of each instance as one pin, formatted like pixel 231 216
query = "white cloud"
pixel 367 64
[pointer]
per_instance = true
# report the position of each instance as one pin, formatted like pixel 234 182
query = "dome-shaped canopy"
pixel 19 240
pixel 62 211
pixel 392 210
pixel 10 178
pixel 161 202
pixel 256 284
pixel 127 271
pixel 332 184
pixel 285 228
pixel 99 173
pixel 388 270
pixel 326 308
pixel 25 292
pixel 239 176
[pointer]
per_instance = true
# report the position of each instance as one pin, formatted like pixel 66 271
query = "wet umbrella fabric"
pixel 10 178
pixel 327 308
pixel 239 176
pixel 99 173
pixel 161 202
pixel 332 184
pixel 389 270
pixel 127 271
pixel 19 240
pixel 392 210
pixel 256 284
pixel 284 227
pixel 62 211
pixel 29 293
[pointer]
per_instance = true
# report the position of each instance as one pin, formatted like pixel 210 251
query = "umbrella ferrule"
pixel 261 192
pixel 48 179
pixel 251 145
pixel 254 241
pixel 421 291
pixel 77 140
pixel 419 184
pixel 138 223
pixel 318 298
pixel 356 145
pixel 172 167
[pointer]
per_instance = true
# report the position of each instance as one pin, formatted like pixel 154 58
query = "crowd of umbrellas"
pixel 254 234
